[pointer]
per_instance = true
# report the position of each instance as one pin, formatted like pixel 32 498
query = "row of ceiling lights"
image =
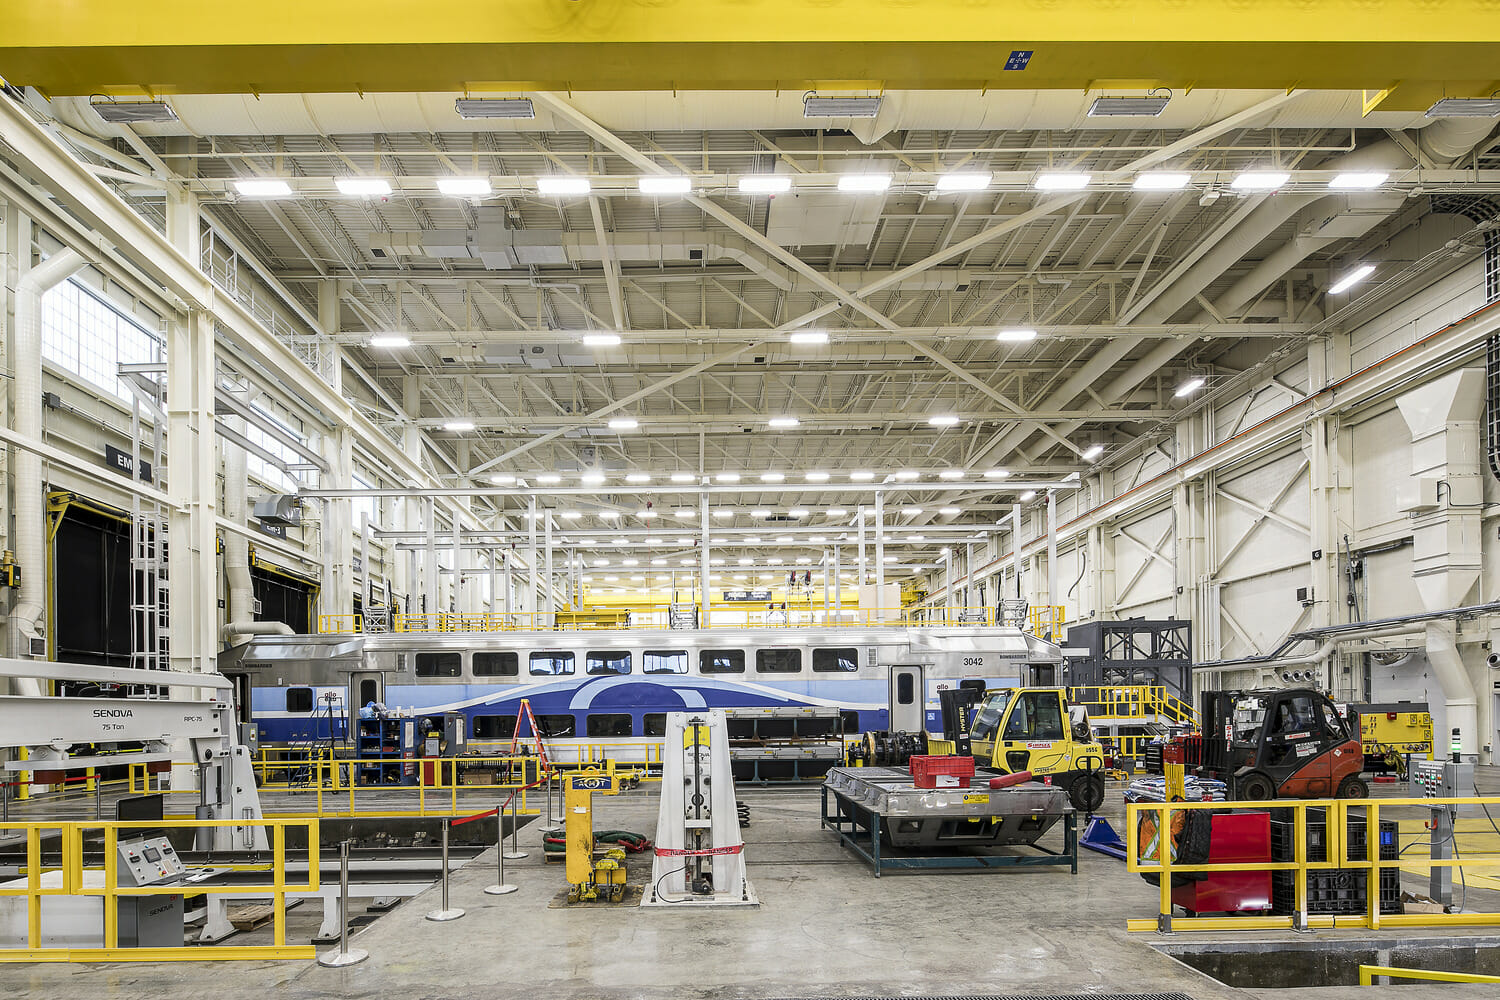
pixel 875 182
pixel 858 476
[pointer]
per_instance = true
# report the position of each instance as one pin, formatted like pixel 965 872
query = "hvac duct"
pixel 241 606
pixel 1462 707
pixel 234 630
pixel 28 616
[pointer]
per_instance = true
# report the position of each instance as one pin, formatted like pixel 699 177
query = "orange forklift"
pixel 1277 743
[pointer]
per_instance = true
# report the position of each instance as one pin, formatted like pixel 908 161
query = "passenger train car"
pixel 610 687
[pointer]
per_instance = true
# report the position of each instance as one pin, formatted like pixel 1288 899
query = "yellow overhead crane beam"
pixel 1405 51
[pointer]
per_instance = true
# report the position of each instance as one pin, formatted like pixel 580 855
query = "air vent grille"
pixel 1465 107
pixel 814 106
pixel 1128 107
pixel 133 112
pixel 494 107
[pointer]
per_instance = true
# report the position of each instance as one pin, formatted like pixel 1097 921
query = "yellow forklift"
pixel 1026 729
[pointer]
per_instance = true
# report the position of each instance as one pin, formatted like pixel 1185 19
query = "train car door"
pixel 365 686
pixel 908 700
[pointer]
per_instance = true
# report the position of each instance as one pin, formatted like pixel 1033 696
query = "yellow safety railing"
pixel 1336 854
pixel 1369 973
pixel 333 783
pixel 1138 701
pixel 1041 619
pixel 72 839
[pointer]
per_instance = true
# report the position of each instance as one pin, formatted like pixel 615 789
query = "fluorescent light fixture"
pixel 464 187
pixel 809 337
pixel 389 340
pixel 684 477
pixel 638 477
pixel 798 512
pixel 560 184
pixel 571 515
pixel 916 538
pixel 907 475
pixel 765 184
pixel 594 479
pixel 1191 386
pixel 943 420
pixel 1028 496
pixel 1092 452
pixel 727 477
pixel 817 539
pixel 951 474
pixel 665 184
pixel 759 512
pixel 964 180
pixel 133 112
pixel 951 511
pixel 774 561
pixel 996 473
pixel 549 478
pixel 910 511
pixel 263 188
pixel 1260 180
pixel 816 477
pixel 723 512
pixel 645 513
pixel 804 560
pixel 623 424
pixel 1161 180
pixel 861 477
pixel 1448 107
pixel 836 512
pixel 1016 336
pixel 1067 180
pixel 459 425
pixel 782 422
pixel 1351 279
pixel 814 106
pixel 772 477
pixel 864 183
pixel 372 187
pixel 601 340
pixel 1128 107
pixel 1359 180
pixel 494 107
pixel 889 559
pixel 501 479
pixel 784 539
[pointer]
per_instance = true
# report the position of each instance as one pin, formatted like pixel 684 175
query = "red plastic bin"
pixel 925 771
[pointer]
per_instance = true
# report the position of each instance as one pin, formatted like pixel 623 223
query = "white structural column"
pixel 864 570
pixel 1052 595
pixel 1015 548
pixel 879 557
pixel 550 585
pixel 704 560
pixel 192 465
pixel 533 586
pixel 337 448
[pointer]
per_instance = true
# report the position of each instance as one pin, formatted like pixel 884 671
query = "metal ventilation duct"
pixel 1465 107
pixel 494 107
pixel 1128 107
pixel 814 106
pixel 131 112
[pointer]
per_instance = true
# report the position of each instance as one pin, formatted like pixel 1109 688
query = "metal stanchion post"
pixel 516 854
pixel 500 888
pixel 98 800
pixel 344 956
pixel 446 912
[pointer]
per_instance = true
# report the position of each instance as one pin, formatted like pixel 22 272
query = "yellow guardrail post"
pixel 1368 974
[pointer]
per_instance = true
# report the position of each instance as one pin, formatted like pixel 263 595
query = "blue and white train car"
pixel 609 687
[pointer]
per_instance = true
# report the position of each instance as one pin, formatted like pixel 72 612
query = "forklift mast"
pixel 954 705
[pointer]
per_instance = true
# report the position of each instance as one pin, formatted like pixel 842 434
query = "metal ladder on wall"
pixel 150 633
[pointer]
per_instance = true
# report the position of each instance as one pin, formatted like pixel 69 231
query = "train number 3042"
pixel 973 661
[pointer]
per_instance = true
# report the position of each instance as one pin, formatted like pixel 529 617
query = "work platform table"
pixel 882 816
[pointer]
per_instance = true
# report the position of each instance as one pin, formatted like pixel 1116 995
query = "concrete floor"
pixel 826 928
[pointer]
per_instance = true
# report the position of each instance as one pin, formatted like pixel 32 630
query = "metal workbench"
pixel 879 814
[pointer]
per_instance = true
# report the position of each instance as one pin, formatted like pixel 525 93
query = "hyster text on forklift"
pixel 1277 743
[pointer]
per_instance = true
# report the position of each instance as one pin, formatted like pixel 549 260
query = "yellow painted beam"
pixel 176 46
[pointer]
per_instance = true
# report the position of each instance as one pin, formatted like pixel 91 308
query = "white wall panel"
pixel 1380 454
pixel 1141 580
pixel 1446 301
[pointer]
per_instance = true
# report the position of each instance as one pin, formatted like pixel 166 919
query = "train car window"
pixel 721 661
pixel 778 661
pixel 551 664
pixel 607 661
pixel 655 723
pixel 905 688
pixel 493 664
pixel 664 661
pixel 440 664
pixel 368 691
pixel 608 725
pixel 556 726
pixel 299 700
pixel 494 727
pixel 842 660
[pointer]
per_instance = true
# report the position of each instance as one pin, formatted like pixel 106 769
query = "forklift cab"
pixel 1292 744
pixel 1033 729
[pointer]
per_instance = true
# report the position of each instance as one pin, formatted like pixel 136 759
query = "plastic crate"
pixel 1339 890
pixel 926 771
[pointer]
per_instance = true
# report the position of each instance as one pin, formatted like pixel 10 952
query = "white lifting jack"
pixel 187 711
pixel 700 855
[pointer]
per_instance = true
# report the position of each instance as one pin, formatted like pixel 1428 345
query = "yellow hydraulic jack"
pixel 590 878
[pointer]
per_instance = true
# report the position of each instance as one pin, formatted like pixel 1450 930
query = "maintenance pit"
pixel 1333 959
